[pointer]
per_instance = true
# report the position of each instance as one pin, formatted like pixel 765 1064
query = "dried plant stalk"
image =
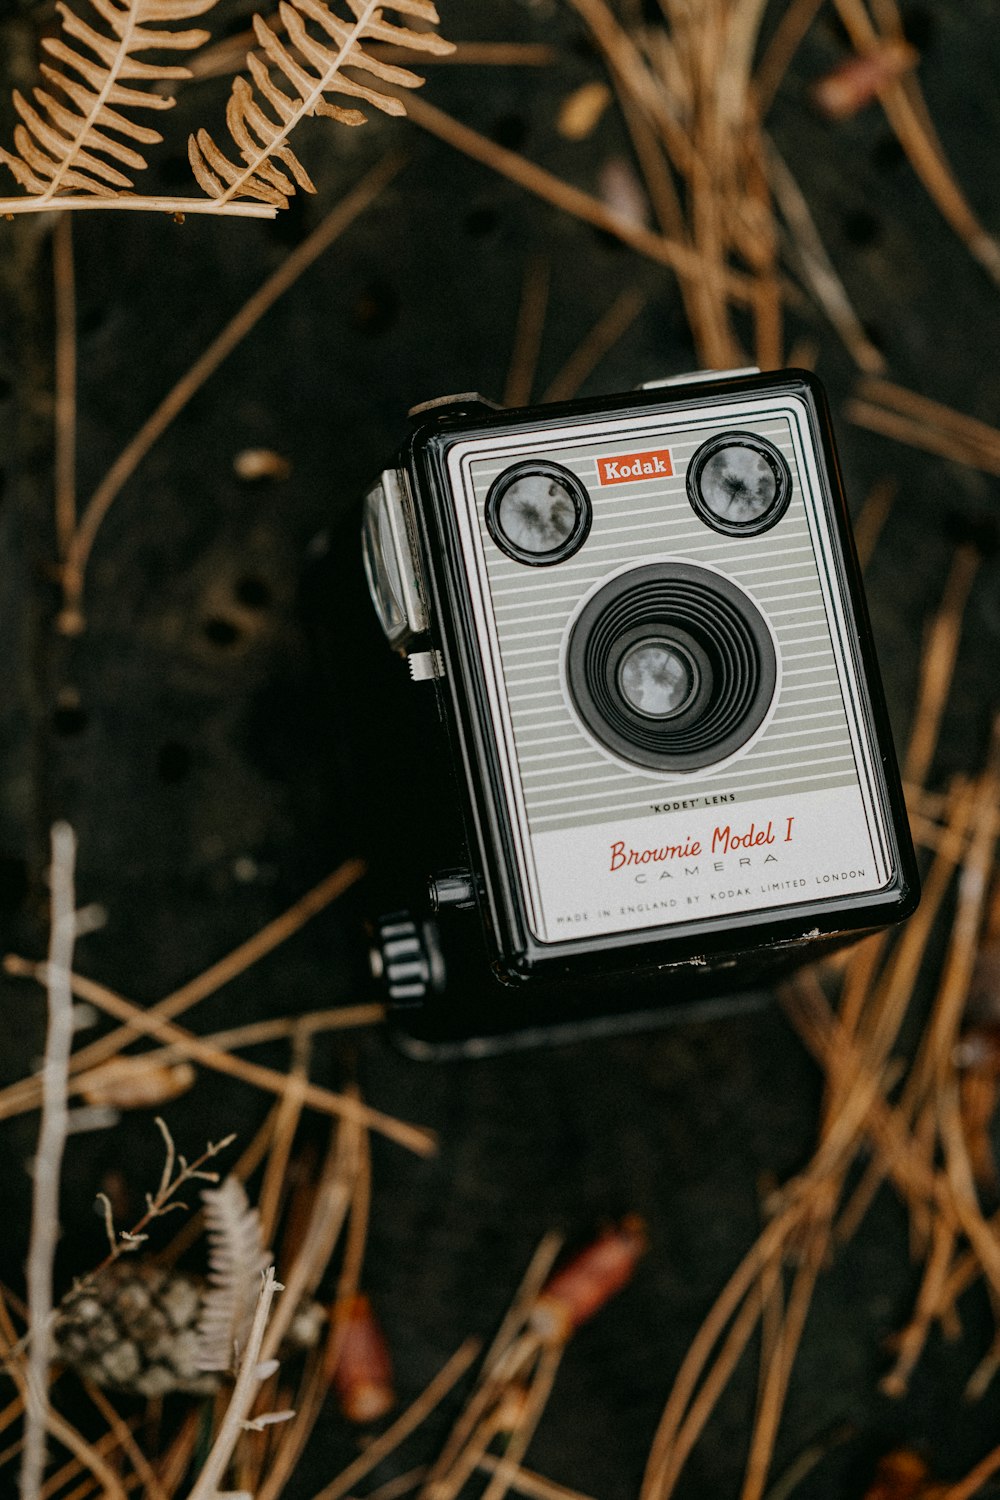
pixel 572 200
pixel 268 1079
pixel 64 290
pixel 48 1157
pixel 26 1094
pixel 855 1051
pixel 448 1377
pixel 926 424
pixel 817 269
pixel 907 114
pixel 938 666
pixel 244 1392
pixel 528 334
pixel 341 216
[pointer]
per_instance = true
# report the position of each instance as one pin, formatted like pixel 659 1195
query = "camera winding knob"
pixel 405 958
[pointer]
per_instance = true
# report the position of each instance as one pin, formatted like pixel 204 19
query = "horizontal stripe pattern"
pixel 567 780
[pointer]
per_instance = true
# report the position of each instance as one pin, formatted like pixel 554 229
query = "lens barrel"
pixel 671 667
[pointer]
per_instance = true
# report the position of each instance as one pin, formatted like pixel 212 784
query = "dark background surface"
pixel 191 738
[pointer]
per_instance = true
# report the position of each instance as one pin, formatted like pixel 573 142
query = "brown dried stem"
pixel 788 36
pixel 874 513
pixel 256 1033
pixel 64 1432
pixel 329 229
pixel 448 1377
pixel 601 339
pixel 907 114
pixel 64 287
pixel 565 196
pixel 528 333
pixel 286 1123
pixel 122 1434
pixel 938 666
pixel 526 1482
pixel 817 269
pixel 25 1095
pixel 926 424
pixel 267 1079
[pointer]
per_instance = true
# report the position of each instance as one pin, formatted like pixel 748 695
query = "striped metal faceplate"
pixel 557 776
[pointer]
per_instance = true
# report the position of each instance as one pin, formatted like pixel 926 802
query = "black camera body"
pixel 642 757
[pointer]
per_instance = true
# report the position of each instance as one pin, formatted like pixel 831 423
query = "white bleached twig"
pixel 52 1133
pixel 247 1385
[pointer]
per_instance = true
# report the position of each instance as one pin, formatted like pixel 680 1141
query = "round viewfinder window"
pixel 538 513
pixel 739 483
pixel 657 679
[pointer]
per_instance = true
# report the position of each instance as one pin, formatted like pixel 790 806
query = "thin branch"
pixel 326 232
pixel 449 1376
pixel 601 339
pixel 572 200
pixel 817 268
pixel 247 1384
pixel 25 1095
pixel 177 208
pixel 788 36
pixel 907 114
pixel 48 1157
pixel 64 284
pixel 528 334
pixel 268 1079
pixel 256 1033
pixel 938 665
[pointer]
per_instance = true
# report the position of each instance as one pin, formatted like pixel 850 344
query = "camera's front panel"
pixel 669 657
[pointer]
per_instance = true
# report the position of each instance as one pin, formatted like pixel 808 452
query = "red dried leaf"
pixel 580 1288
pixel 357 1363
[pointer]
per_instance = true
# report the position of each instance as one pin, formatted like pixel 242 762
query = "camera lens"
pixel 739 484
pixel 657 679
pixel 671 666
pixel 538 513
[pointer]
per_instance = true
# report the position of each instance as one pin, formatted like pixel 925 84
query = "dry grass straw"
pixel 611 326
pixel 64 306
pixel 334 1227
pixel 872 518
pixel 928 425
pixel 269 1080
pixel 907 114
pixel 816 268
pixel 26 1094
pixel 340 1197
pixel 518 1372
pixel 914 1131
pixel 528 333
pixel 688 102
pixel 229 55
pixel 81 541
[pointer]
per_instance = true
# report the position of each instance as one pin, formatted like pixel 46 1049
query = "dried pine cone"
pixel 132 1328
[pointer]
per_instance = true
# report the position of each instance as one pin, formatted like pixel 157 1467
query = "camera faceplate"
pixel 796 814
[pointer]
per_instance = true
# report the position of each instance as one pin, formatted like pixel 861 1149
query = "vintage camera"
pixel 642 757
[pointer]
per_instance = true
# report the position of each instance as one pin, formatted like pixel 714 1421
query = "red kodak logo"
pixel 629 466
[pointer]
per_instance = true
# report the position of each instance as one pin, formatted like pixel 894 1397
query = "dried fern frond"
pixel 236 1261
pixel 312 70
pixel 80 144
